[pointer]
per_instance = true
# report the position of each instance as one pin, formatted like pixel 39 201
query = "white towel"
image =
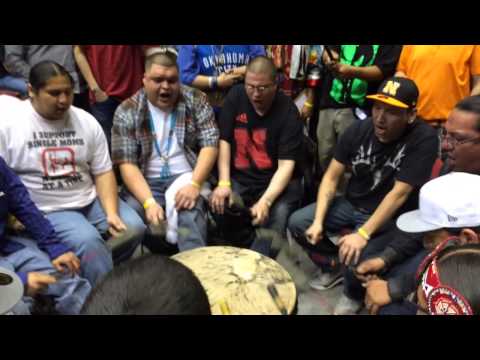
pixel 171 212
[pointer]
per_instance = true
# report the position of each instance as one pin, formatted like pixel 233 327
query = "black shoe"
pixel 156 240
pixel 123 246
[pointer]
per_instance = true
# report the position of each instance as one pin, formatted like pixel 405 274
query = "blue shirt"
pixel 212 60
pixel 15 200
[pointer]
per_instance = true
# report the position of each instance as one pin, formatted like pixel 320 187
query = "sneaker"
pixel 327 280
pixel 347 306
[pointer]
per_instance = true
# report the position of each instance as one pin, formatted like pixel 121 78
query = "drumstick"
pixel 276 299
pixel 224 308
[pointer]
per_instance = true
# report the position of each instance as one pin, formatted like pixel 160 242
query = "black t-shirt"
pixel 376 166
pixel 258 142
pixel 335 93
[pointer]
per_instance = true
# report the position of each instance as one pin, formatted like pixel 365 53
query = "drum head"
pixel 237 281
pixel 11 290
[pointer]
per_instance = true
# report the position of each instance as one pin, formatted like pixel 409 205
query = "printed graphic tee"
pixel 258 142
pixel 376 166
pixel 211 60
pixel 56 160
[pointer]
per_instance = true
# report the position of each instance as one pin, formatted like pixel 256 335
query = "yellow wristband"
pixel 363 233
pixel 307 104
pixel 195 184
pixel 148 203
pixel 225 183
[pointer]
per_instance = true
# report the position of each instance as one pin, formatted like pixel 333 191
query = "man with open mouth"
pixel 391 156
pixel 164 141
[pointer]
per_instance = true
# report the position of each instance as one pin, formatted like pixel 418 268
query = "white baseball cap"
pixel 11 290
pixel 449 201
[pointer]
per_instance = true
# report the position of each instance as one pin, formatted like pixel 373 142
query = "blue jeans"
pixel 82 230
pixel 194 220
pixel 287 202
pixel 403 307
pixel 410 267
pixel 104 112
pixel 13 83
pixel 341 214
pixel 69 294
pixel 352 285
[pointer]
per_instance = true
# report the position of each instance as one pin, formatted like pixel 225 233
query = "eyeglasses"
pixel 260 89
pixel 453 142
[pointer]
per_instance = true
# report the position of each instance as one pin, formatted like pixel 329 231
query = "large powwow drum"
pixel 240 281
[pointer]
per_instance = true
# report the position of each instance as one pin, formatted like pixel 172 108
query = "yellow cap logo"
pixel 391 88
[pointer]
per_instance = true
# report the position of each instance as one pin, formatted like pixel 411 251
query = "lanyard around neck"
pixel 172 119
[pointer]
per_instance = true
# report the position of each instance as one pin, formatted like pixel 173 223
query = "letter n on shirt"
pixel 251 149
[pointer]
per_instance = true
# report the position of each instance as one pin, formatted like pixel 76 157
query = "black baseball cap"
pixel 397 91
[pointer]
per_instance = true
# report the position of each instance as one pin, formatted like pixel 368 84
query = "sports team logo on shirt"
pixel 252 150
pixel 242 118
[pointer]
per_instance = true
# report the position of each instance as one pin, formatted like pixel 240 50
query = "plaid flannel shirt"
pixel 132 138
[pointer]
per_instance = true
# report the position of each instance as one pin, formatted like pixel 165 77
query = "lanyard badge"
pixel 165 172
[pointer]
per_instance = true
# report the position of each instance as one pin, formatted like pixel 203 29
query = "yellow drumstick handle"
pixel 224 308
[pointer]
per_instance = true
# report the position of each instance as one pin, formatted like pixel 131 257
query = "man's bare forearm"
pixel 328 189
pixel 84 67
pixel 107 191
pixel 224 155
pixel 387 208
pixel 135 182
pixel 279 181
pixel 368 73
pixel 201 82
pixel 205 163
pixel 325 197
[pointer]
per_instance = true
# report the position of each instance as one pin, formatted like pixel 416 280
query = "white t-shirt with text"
pixel 56 160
